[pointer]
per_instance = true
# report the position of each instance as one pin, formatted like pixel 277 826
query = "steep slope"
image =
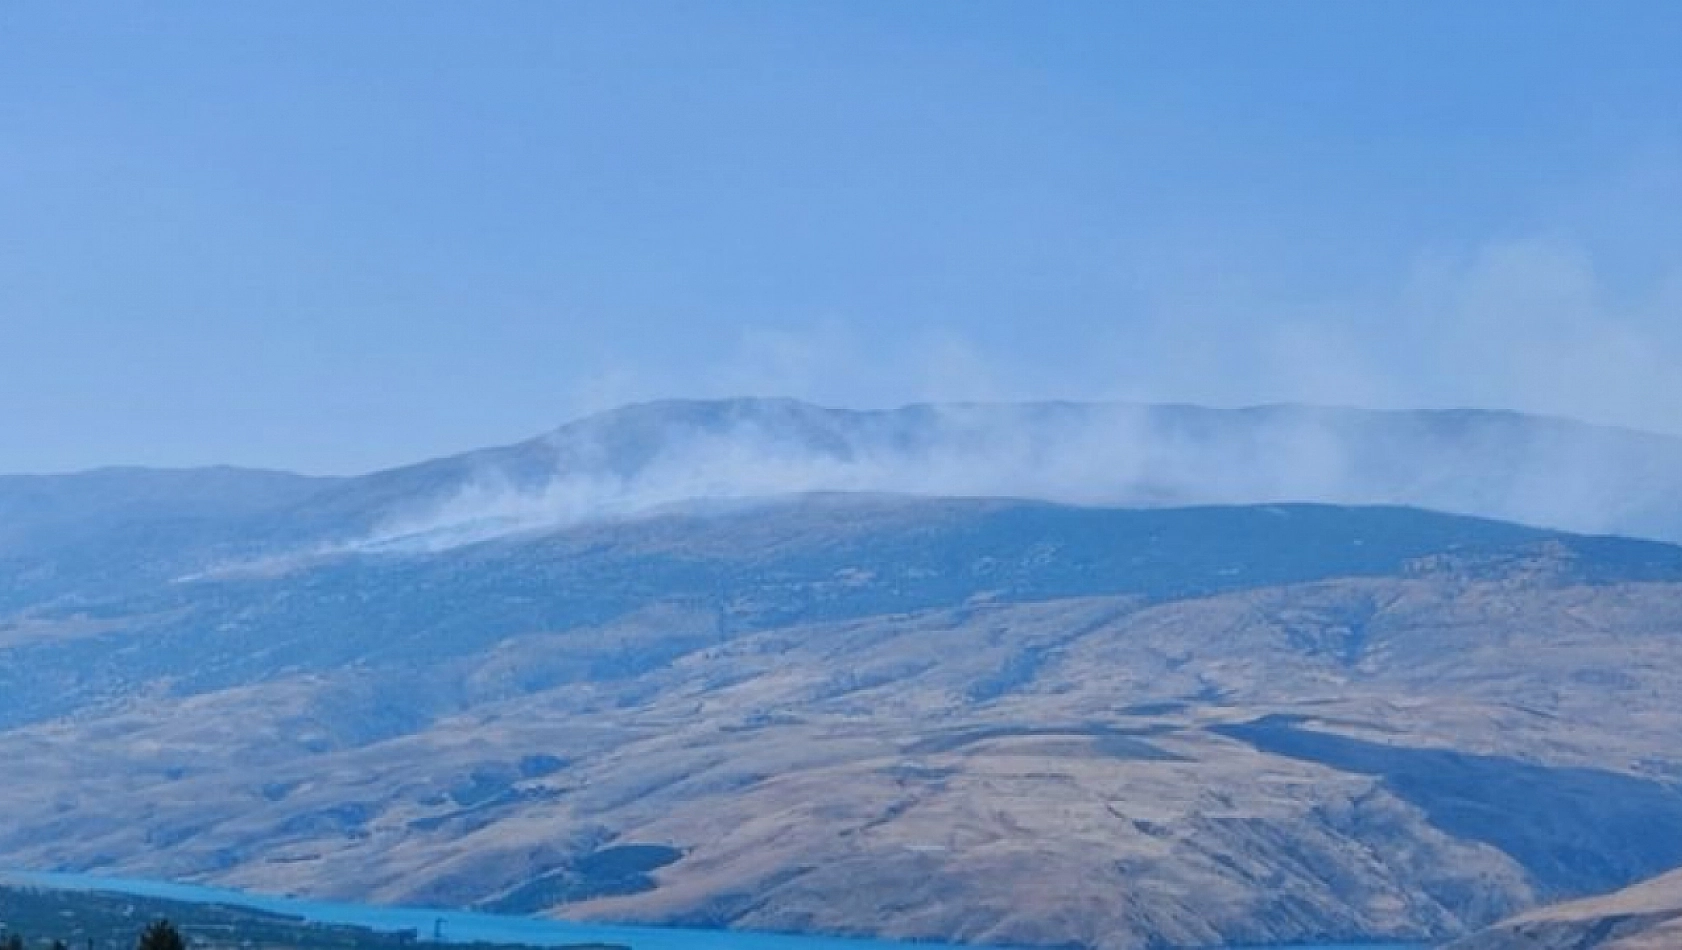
pixel 1647 916
pixel 973 719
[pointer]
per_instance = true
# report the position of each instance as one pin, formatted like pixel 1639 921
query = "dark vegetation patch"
pixel 1154 709
pixel 1576 830
pixel 482 785
pixel 483 811
pixel 538 766
pixel 612 871
pixel 349 819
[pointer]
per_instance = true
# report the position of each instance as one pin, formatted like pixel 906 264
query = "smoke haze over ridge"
pixel 651 456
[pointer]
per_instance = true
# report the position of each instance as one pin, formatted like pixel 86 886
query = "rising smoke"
pixel 655 456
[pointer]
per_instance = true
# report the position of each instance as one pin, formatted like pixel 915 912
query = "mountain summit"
pixel 1535 470
pixel 636 459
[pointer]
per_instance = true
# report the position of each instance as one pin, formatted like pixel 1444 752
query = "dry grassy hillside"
pixel 1387 756
pixel 1647 916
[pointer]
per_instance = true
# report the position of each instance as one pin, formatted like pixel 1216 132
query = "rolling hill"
pixel 567 677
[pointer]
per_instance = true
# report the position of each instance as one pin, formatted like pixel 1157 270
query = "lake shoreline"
pixel 464 926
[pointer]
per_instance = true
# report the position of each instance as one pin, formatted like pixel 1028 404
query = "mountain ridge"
pixel 1508 466
pixel 649 457
pixel 689 665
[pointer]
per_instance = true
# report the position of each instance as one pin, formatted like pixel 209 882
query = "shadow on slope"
pixel 1575 830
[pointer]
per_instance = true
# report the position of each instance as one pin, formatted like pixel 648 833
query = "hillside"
pixel 1647 916
pixel 982 720
pixel 553 679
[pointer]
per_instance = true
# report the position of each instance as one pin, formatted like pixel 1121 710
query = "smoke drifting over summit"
pixel 658 455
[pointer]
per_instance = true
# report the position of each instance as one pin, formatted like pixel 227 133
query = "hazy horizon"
pixel 328 239
pixel 608 412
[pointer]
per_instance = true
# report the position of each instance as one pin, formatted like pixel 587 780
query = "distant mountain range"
pixel 1534 470
pixel 1040 675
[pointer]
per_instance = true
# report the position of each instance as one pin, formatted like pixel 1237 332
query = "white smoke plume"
pixel 654 456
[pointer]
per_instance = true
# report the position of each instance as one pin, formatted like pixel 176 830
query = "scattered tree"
pixel 161 935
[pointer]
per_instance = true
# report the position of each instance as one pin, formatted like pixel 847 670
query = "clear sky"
pixel 332 237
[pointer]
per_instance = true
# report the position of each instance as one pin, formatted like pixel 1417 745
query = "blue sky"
pixel 333 237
